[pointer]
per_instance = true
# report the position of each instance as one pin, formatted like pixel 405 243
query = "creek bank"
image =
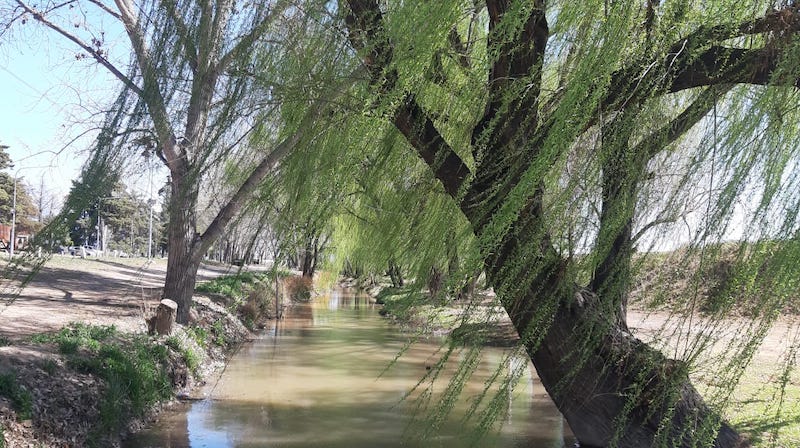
pixel 479 320
pixel 91 385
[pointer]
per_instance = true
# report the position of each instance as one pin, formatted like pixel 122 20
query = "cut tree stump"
pixel 164 318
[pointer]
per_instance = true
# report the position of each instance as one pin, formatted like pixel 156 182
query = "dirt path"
pixel 98 291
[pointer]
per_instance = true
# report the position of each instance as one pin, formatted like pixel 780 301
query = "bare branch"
pixel 105 8
pixel 150 92
pixel 96 54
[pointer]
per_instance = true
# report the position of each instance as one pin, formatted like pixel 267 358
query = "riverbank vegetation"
pixel 89 385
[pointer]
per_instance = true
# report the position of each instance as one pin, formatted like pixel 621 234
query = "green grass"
pixel 21 398
pixel 49 366
pixel 753 409
pixel 198 334
pixel 233 286
pixel 189 356
pixel 133 367
pixel 218 331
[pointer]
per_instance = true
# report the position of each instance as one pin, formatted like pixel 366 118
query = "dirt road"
pixel 100 291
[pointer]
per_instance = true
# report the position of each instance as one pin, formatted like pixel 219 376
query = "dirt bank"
pixel 76 368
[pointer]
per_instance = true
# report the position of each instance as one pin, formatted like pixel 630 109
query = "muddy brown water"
pixel 329 375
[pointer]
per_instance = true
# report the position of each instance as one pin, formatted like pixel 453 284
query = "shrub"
pixel 257 307
pixel 299 288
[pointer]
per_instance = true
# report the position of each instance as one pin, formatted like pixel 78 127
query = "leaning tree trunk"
pixel 613 389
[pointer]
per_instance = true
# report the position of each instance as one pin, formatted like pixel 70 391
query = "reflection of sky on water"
pixel 200 428
pixel 333 300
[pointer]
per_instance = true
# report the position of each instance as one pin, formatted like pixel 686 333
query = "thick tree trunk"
pixel 309 257
pixel 395 274
pixel 613 390
pixel 181 277
pixel 622 170
pixel 184 248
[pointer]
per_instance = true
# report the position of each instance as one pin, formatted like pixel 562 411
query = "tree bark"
pixel 612 389
pixel 185 250
pixel 620 392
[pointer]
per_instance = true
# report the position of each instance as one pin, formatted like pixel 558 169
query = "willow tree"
pixel 190 74
pixel 601 90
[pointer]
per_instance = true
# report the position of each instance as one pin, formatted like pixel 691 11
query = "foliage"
pixel 20 397
pixel 198 334
pixel 117 217
pixel 133 367
pixel 27 219
pixel 547 143
pixel 190 357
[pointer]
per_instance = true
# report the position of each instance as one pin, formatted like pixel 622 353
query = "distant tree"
pixel 27 219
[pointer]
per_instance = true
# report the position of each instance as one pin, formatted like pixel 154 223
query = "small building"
pixel 22 238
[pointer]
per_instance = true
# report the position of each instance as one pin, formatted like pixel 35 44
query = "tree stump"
pixel 164 319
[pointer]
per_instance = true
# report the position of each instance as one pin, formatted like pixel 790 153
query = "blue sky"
pixel 49 103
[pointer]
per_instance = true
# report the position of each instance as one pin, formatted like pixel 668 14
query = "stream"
pixel 329 375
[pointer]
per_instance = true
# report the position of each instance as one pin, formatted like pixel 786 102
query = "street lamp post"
pixel 13 218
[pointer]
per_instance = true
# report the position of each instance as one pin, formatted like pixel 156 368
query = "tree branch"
pixel 367 35
pixel 666 135
pixel 460 49
pixel 105 8
pixel 721 65
pixel 264 168
pixel 250 38
pixel 39 17
pixel 515 77
pixel 699 60
pixel 783 20
pixel 190 51
pixel 150 92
